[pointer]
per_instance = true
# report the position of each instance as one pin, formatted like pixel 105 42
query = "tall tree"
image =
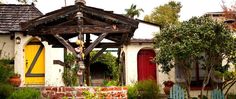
pixel 133 11
pixel 166 14
pixel 182 45
pixel 230 76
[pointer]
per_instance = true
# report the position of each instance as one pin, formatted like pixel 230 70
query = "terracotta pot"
pixel 15 81
pixel 167 90
pixel 168 85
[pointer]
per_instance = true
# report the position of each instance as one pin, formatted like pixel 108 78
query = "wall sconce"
pixel 18 40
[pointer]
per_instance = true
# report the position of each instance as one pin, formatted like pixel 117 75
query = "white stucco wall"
pixel 145 31
pixel 52 72
pixel 131 70
pixel 8 48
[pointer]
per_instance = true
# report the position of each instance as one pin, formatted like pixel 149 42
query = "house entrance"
pixel 146 66
pixel 34 63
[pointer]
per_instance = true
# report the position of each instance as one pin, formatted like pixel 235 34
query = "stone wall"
pixel 85 92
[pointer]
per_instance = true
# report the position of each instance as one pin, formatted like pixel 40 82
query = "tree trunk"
pixel 185 73
pixel 206 80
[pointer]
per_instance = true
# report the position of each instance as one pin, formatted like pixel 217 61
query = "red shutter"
pixel 146 68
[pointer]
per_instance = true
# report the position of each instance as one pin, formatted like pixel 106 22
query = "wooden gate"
pixel 146 66
pixel 34 63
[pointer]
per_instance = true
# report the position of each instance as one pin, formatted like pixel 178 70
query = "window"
pixel 198 75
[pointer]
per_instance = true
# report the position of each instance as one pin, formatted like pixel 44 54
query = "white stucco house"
pixel 138 56
pixel 18 46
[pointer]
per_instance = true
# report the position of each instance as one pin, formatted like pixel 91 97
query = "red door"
pixel 146 68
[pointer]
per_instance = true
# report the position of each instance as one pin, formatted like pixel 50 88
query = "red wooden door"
pixel 146 68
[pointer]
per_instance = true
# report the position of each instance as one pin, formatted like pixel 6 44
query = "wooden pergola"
pixel 59 26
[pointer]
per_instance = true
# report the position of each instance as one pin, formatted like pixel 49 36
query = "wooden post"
pixel 87 60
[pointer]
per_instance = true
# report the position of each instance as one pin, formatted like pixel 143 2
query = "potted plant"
pixel 168 84
pixel 15 80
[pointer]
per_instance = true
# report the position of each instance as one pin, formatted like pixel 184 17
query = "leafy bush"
pixel 204 97
pixel 231 96
pixel 132 92
pixel 25 93
pixel 5 90
pixel 69 77
pixel 6 70
pixel 69 58
pixel 110 83
pixel 147 89
pixel 110 62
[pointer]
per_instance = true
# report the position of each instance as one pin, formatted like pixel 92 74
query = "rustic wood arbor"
pixel 58 26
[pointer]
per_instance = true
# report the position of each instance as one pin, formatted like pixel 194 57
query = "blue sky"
pixel 190 7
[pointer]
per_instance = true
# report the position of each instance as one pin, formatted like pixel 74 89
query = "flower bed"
pixel 85 92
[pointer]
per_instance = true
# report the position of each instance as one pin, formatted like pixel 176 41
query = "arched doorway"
pixel 146 66
pixel 34 63
pixel 99 73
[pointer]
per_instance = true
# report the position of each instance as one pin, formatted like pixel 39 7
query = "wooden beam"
pixel 100 45
pixel 65 43
pixel 65 23
pixel 111 16
pixel 123 38
pixel 87 60
pixel 108 45
pixel 95 43
pixel 59 62
pixel 98 54
pixel 49 17
pixel 87 29
pixel 95 22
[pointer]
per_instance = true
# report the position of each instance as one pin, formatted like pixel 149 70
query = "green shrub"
pixel 25 93
pixel 204 97
pixel 147 89
pixel 231 96
pixel 69 58
pixel 70 78
pixel 132 92
pixel 5 90
pixel 6 70
pixel 110 83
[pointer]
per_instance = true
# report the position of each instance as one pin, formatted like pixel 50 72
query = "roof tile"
pixel 11 15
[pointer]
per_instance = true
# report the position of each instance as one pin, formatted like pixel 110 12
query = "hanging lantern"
pixel 18 40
